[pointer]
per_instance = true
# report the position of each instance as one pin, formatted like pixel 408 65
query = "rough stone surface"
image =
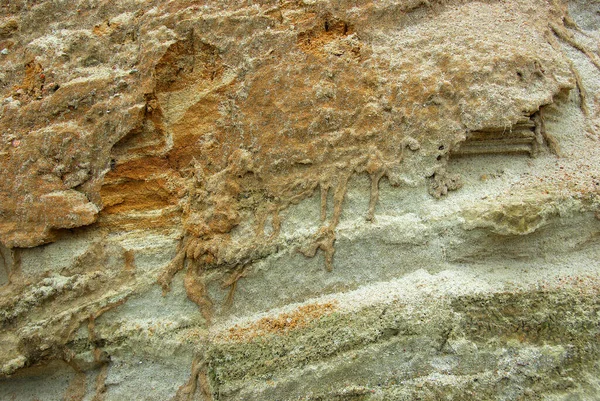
pixel 300 200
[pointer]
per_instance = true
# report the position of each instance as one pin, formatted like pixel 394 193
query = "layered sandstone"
pixel 315 199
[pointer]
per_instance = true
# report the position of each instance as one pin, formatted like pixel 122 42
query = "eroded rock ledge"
pixel 288 200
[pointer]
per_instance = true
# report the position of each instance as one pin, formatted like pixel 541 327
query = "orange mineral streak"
pixel 137 194
pixel 281 324
pixel 33 81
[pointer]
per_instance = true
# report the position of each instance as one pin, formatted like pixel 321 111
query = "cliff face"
pixel 316 199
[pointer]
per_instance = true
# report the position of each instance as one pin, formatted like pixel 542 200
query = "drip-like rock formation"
pixel 285 200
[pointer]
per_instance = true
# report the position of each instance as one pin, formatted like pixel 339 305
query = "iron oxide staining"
pixel 186 62
pixel 329 35
pixel 251 139
pixel 198 382
pixel 245 116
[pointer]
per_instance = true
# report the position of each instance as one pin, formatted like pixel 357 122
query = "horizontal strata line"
pixel 494 150
pixel 129 215
pixel 515 128
pixel 419 287
pixel 496 142
pixel 491 136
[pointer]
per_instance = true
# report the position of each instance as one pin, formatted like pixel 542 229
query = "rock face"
pixel 285 200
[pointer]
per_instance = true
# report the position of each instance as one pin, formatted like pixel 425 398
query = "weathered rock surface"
pixel 283 200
